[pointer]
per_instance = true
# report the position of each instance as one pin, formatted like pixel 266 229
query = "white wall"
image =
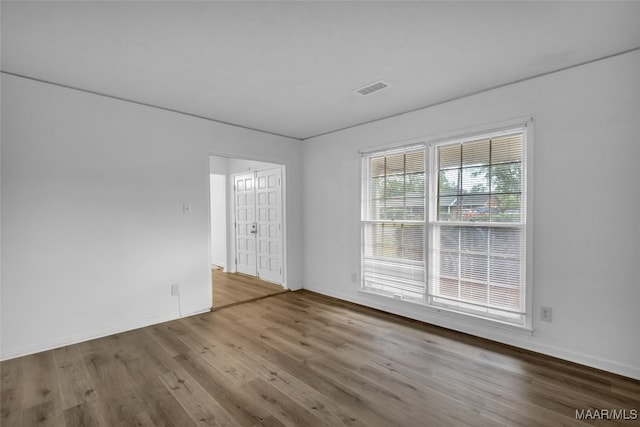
pixel 219 220
pixel 242 165
pixel 93 230
pixel 219 165
pixel 586 208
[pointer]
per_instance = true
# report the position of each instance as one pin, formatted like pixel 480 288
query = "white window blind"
pixel 393 222
pixel 477 226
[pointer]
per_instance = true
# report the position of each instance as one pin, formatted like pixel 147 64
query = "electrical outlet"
pixel 175 289
pixel 545 314
pixel 354 277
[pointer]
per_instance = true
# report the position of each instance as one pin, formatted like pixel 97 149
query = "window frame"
pixel 431 186
pixel 366 219
pixel 525 224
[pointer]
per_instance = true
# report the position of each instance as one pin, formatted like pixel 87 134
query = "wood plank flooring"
pixel 235 288
pixel 302 359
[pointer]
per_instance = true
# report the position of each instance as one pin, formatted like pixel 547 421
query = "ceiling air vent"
pixel 373 87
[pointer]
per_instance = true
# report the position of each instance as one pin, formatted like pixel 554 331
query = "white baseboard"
pixel 75 339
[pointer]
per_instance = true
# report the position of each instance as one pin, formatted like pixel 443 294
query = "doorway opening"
pixel 248 226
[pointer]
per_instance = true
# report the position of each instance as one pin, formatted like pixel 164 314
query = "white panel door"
pixel 246 226
pixel 268 197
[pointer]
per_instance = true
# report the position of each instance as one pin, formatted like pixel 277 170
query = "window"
pixel 393 222
pixel 477 226
pixel 461 249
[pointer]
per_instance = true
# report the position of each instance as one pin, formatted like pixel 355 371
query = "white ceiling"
pixel 291 68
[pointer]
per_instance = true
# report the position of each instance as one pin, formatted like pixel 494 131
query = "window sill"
pixel 444 317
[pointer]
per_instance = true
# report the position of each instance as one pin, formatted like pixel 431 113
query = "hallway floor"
pixel 234 288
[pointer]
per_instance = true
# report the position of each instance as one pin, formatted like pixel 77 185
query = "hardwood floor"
pixel 302 359
pixel 234 288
